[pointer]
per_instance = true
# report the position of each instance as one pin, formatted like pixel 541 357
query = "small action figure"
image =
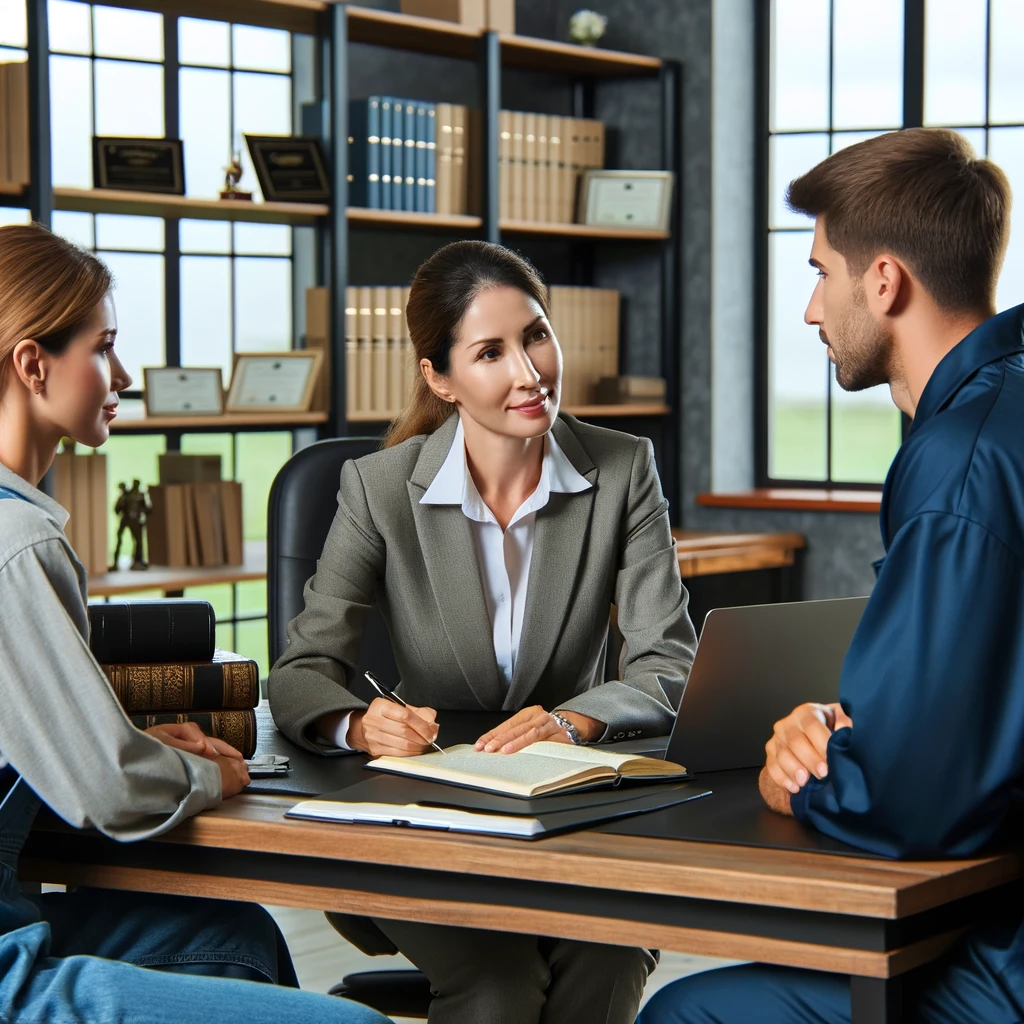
pixel 232 176
pixel 133 507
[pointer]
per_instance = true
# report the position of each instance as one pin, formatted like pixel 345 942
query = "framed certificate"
pixel 289 169
pixel 183 391
pixel 274 381
pixel 625 199
pixel 139 165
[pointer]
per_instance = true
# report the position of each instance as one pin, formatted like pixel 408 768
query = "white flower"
pixel 587 26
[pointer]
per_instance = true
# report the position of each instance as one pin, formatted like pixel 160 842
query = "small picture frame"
pixel 274 381
pixel 138 165
pixel 625 199
pixel 290 169
pixel 183 390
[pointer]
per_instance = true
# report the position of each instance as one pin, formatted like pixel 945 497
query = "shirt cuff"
pixel 339 736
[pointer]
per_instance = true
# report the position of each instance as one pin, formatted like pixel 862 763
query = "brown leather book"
pixel 17 122
pixel 231 509
pixel 235 727
pixel 228 682
pixel 209 524
pixel 165 526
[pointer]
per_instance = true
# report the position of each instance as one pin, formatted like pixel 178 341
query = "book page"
pixel 597 756
pixel 523 771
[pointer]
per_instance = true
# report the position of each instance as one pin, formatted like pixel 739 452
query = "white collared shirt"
pixel 504 556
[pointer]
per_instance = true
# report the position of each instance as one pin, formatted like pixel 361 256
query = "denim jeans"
pixel 98 957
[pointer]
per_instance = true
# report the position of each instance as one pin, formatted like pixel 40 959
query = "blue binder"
pixel 409 191
pixel 385 152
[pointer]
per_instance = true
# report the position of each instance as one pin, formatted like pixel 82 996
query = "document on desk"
pixel 537 770
pixel 394 800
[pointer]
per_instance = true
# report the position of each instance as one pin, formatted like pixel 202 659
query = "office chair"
pixel 303 500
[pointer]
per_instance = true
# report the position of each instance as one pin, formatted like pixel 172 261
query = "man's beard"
pixel 863 354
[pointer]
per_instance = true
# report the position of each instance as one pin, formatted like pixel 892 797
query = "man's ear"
pixel 29 360
pixel 884 280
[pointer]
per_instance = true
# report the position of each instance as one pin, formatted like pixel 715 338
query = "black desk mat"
pixel 734 813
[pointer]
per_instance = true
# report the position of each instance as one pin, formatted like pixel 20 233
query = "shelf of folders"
pixel 408 155
pixel 195 517
pixel 413 156
pixel 380 366
pixel 14 151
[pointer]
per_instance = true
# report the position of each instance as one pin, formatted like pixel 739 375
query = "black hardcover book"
pixel 146 631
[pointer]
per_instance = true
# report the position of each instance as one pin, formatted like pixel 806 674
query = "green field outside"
pixel 864 440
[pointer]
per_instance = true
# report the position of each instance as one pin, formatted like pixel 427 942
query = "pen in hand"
pixel 392 696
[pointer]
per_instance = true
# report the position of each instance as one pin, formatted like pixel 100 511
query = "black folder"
pixel 559 813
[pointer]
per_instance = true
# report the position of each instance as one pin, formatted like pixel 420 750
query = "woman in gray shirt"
pixel 64 740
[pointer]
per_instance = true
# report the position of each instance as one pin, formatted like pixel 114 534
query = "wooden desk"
pixel 870 918
pixel 703 553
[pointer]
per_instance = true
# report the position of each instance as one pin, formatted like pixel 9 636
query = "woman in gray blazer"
pixel 495 534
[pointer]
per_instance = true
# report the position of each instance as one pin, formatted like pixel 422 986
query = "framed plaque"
pixel 290 170
pixel 625 199
pixel 139 165
pixel 183 391
pixel 274 381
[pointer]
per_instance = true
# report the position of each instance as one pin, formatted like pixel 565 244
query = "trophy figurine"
pixel 232 176
pixel 133 507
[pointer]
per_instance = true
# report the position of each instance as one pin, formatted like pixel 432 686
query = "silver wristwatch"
pixel 574 733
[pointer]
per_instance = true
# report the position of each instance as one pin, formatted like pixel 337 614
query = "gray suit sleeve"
pixel 652 610
pixel 310 679
pixel 62 727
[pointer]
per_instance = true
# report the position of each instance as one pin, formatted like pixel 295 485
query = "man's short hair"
pixel 923 195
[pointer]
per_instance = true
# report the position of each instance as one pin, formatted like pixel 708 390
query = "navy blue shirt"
pixel 934 678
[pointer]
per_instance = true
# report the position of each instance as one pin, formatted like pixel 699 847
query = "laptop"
pixel 753 666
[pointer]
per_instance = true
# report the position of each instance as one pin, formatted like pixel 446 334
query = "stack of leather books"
pixel 161 660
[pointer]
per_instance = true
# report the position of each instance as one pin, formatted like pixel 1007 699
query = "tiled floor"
pixel 322 957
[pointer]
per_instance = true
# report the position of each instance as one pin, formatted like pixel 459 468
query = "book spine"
pixel 396 397
pixel 358 150
pixel 231 511
pixel 137 632
pixel 379 394
pixel 541 174
pixel 351 349
pixel 518 166
pixel 554 173
pixel 431 184
pixel 5 127
pixel 504 164
pixel 235 727
pixel 218 685
pixel 364 357
pixel 409 367
pixel 409 162
pixel 385 152
pixel 530 167
pixel 99 550
pixel 17 116
pixel 460 189
pixel 397 153
pixel 373 153
pixel 420 190
pixel 444 188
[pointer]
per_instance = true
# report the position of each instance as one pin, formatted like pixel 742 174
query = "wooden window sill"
pixel 795 499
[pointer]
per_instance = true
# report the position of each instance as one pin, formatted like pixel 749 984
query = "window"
pixel 187 292
pixel 836 76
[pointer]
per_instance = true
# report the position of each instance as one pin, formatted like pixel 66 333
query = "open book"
pixel 537 770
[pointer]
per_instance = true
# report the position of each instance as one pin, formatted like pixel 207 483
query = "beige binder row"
pixel 540 160
pixel 586 323
pixel 379 363
pixel 451 172
pixel 14 155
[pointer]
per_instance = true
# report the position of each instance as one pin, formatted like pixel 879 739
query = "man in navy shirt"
pixel 924 754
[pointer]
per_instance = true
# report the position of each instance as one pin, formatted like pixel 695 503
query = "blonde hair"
pixel 49 289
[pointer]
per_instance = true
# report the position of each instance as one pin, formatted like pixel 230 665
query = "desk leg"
pixel 876 1000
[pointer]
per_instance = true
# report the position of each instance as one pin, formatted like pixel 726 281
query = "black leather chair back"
pixel 303 502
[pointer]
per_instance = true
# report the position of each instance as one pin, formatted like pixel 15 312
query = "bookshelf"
pixel 337 226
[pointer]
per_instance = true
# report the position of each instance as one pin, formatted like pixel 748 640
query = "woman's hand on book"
pixel 531 725
pixel 188 736
pixel 389 729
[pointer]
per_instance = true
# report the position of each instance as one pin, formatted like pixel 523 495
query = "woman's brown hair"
pixel 49 289
pixel 442 290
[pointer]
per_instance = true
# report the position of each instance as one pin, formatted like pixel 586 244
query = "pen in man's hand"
pixel 392 696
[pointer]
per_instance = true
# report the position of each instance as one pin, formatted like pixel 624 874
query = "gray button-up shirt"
pixel 61 726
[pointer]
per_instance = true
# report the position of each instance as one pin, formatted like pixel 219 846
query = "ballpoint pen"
pixel 392 696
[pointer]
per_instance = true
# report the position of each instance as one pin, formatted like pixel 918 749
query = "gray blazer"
pixel 608 545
